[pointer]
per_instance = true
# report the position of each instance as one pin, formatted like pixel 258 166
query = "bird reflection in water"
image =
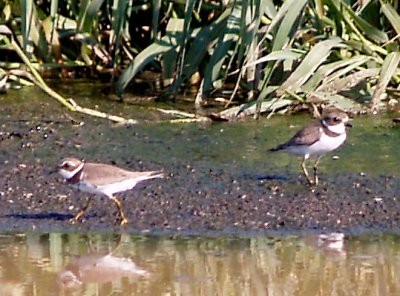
pixel 331 244
pixel 97 268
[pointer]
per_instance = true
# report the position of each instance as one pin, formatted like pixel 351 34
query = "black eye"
pixel 336 119
pixel 66 165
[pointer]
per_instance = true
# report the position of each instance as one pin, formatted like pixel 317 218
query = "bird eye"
pixel 66 165
pixel 336 119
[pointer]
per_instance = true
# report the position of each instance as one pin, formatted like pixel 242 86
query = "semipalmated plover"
pixel 101 179
pixel 322 136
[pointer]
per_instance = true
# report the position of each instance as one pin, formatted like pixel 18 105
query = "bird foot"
pixel 312 183
pixel 76 218
pixel 124 221
pixel 73 220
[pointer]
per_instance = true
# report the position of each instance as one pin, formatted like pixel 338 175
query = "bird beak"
pixel 349 124
pixel 54 170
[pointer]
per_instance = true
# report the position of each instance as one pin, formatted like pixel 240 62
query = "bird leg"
pixel 82 211
pixel 121 213
pixel 303 167
pixel 315 169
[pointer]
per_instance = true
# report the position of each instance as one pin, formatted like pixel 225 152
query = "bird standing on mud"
pixel 320 137
pixel 101 179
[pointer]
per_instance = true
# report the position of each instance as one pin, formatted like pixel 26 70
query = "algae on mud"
pixel 220 177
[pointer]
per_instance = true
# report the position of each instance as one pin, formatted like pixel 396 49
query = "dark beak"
pixel 54 170
pixel 349 124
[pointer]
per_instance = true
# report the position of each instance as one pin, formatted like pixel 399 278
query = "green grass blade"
pixel 155 17
pixel 141 60
pixel 339 68
pixel 336 100
pixel 198 48
pixel 83 7
pixel 346 83
pixel 169 61
pixel 351 18
pixel 388 69
pixel 32 31
pixel 250 108
pixel 169 42
pixel 227 39
pixel 308 66
pixel 392 15
pixel 88 13
pixel 270 9
pixel 287 18
pixel 117 26
pixel 285 54
pixel 53 15
pixel 26 16
pixel 185 32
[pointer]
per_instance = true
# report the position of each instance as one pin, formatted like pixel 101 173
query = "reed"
pixel 269 54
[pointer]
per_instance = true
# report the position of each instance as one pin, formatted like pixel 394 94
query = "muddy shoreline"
pixel 197 200
pixel 219 178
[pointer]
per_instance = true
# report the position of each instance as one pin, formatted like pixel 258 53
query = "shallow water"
pixel 221 181
pixel 371 147
pixel 111 264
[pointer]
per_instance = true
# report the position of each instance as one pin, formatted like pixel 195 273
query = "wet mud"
pixel 185 201
pixel 219 179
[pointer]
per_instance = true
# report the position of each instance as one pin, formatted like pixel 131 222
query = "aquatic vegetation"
pixel 269 55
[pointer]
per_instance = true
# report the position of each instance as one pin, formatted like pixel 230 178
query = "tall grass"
pixel 269 54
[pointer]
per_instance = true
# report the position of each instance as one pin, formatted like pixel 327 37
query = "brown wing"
pixel 103 174
pixel 306 136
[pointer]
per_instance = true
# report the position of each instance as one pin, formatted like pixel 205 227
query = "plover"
pixel 320 137
pixel 101 179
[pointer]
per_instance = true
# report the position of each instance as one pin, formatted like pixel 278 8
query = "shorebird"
pixel 320 137
pixel 101 179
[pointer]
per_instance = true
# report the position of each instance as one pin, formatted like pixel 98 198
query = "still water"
pixel 126 264
pixel 105 263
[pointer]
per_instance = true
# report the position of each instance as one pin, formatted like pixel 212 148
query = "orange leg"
pixel 303 167
pixel 121 213
pixel 82 211
pixel 315 170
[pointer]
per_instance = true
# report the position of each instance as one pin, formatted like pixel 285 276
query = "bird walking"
pixel 320 137
pixel 101 179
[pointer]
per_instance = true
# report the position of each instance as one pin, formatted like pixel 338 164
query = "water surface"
pixel 111 264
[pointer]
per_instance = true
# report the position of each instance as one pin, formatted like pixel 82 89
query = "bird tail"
pixel 156 174
pixel 278 148
pixel 143 176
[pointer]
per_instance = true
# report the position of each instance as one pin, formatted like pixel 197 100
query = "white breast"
pixel 108 189
pixel 337 129
pixel 323 145
pixel 326 144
